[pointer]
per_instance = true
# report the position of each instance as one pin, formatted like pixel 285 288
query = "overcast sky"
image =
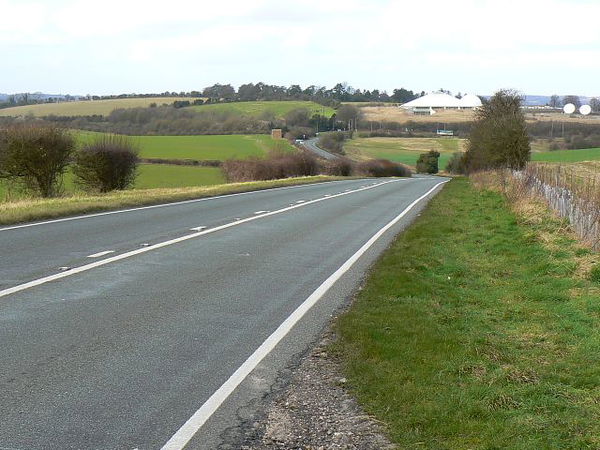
pixel 117 46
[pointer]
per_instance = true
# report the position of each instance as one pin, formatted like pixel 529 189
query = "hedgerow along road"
pixel 161 326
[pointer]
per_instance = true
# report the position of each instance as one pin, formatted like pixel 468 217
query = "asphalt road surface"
pixel 164 326
pixel 311 145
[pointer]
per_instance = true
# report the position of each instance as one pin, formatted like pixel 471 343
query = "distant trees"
pixel 595 105
pixel 555 101
pixel 499 135
pixel 218 92
pixel 349 115
pixel 572 99
pixel 36 156
pixel 428 162
pixel 107 163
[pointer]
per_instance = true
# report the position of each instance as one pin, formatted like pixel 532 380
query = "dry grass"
pixel 549 229
pixel 396 114
pixel 87 107
pixel 38 209
pixel 393 113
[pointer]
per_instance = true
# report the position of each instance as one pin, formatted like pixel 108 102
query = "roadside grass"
pixel 586 154
pixel 87 107
pixel 201 148
pixel 275 109
pixel 479 328
pixel 26 210
pixel 402 150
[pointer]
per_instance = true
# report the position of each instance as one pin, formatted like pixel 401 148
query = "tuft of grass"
pixel 595 273
pixel 26 210
pixel 471 333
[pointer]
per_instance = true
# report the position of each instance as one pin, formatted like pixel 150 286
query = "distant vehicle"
pixel 299 141
pixel 445 133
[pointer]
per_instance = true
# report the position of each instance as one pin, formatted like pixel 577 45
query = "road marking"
pixel 180 439
pixel 300 201
pixel 162 205
pixel 147 247
pixel 99 254
pixel 198 228
pixel 260 212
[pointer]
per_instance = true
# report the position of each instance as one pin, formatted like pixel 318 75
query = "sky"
pixel 538 47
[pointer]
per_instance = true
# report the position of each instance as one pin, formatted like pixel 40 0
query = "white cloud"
pixel 334 40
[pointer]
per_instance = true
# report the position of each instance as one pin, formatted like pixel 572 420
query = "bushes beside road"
pixel 301 163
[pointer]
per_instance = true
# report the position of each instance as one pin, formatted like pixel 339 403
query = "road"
pixel 119 328
pixel 311 145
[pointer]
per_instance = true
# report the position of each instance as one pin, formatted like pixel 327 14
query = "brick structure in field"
pixel 276 133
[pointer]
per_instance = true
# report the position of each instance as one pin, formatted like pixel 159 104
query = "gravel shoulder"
pixel 314 410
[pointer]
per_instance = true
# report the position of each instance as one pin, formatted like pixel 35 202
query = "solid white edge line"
pixel 148 248
pixel 162 205
pixel 99 254
pixel 187 431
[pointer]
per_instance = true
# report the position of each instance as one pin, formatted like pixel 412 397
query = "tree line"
pixel 260 91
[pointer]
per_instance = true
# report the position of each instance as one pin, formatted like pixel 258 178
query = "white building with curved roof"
pixel 429 103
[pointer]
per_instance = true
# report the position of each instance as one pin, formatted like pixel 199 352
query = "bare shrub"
pixel 108 163
pixel 276 165
pixel 334 142
pixel 456 164
pixel 383 168
pixel 341 167
pixel 36 156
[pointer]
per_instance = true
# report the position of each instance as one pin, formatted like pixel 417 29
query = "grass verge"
pixel 479 328
pixel 38 209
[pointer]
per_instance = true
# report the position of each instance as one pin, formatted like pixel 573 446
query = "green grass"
pixel 586 154
pixel 402 150
pixel 153 176
pixel 201 148
pixel 469 333
pixel 87 108
pixel 271 109
pixel 25 210
pixel 150 176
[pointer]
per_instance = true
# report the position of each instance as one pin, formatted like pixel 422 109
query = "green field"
pixel 586 154
pixel 402 150
pixel 201 148
pixel 150 176
pixel 272 109
pixel 87 107
pixel 479 329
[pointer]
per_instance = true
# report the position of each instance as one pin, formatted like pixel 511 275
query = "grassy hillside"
pixel 201 147
pixel 274 109
pixel 402 150
pixel 87 107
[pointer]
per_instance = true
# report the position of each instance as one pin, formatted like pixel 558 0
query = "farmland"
pixel 270 109
pixel 150 176
pixel 201 148
pixel 403 150
pixel 87 107
pixel 566 156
